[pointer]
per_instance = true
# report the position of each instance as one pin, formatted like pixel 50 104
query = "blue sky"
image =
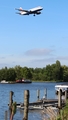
pixel 33 41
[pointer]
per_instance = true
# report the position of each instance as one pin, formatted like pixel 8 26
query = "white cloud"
pixel 38 52
pixel 63 58
pixel 32 61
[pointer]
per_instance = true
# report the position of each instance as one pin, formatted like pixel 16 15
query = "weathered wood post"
pixel 11 98
pixel 65 95
pixel 10 102
pixel 45 93
pixel 26 104
pixel 38 94
pixel 60 98
pixel 6 115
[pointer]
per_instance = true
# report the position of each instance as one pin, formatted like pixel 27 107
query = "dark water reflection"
pixel 18 90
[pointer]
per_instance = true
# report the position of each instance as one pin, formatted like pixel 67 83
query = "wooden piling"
pixel 60 98
pixel 38 94
pixel 65 95
pixel 45 93
pixel 26 104
pixel 11 98
pixel 6 115
pixel 10 103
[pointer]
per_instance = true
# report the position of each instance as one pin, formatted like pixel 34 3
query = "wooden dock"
pixel 41 104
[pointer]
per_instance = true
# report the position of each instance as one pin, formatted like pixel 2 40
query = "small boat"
pixel 63 87
pixel 23 81
pixel 4 81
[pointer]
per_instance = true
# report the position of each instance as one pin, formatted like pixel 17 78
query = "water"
pixel 18 90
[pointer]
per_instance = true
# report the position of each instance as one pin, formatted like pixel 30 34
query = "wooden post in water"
pixel 6 115
pixel 38 94
pixel 10 102
pixel 26 104
pixel 45 93
pixel 60 99
pixel 11 98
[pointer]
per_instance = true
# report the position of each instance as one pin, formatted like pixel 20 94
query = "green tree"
pixel 26 73
pixel 3 74
pixel 65 73
pixel 56 71
pixel 11 75
pixel 48 73
pixel 19 73
pixel 58 68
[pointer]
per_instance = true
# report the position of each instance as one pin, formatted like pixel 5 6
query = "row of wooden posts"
pixel 26 101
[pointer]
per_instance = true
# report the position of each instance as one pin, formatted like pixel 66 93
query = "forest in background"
pixel 54 72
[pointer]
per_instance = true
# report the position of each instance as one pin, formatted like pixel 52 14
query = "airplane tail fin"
pixel 19 9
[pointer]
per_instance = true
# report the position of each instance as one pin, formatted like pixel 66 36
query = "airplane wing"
pixel 22 13
pixel 20 9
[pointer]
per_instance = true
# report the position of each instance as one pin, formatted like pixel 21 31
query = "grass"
pixel 64 112
pixel 66 108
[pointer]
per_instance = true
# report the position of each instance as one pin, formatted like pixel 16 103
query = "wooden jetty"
pixel 42 101
pixel 40 104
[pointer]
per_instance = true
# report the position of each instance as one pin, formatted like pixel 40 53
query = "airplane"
pixel 34 11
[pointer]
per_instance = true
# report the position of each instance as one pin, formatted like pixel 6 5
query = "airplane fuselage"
pixel 39 8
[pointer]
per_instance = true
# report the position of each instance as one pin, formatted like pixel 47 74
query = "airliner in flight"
pixel 34 11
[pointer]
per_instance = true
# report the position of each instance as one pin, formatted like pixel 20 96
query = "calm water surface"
pixel 18 90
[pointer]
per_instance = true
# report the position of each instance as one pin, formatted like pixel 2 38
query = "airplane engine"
pixel 38 12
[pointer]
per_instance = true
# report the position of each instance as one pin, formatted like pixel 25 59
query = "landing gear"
pixel 34 15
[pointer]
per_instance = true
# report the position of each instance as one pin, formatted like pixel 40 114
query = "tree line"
pixel 54 72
